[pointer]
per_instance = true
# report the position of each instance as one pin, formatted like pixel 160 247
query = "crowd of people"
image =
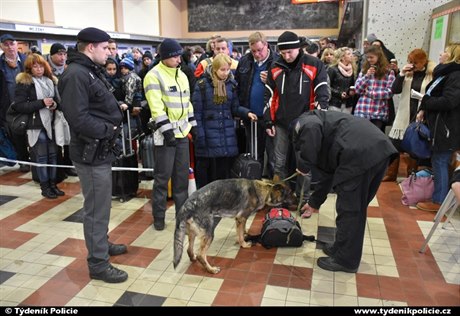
pixel 322 111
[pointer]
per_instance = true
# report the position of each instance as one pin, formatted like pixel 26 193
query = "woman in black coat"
pixel 440 107
pixel 36 94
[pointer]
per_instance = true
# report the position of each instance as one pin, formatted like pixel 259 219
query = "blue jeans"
pixel 440 163
pixel 45 153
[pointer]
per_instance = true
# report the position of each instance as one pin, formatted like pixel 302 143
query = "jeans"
pixel 45 153
pixel 440 162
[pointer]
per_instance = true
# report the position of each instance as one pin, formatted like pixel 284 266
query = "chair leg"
pixel 446 205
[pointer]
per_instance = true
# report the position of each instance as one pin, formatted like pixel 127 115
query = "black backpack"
pixel 280 229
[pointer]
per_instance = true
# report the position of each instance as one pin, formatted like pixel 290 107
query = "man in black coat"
pixel 94 118
pixel 352 156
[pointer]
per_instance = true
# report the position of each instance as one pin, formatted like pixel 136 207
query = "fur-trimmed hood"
pixel 26 79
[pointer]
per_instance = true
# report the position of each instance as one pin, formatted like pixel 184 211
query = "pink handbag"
pixel 416 189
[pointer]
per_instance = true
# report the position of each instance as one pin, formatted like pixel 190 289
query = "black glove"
pixel 170 138
pixel 194 133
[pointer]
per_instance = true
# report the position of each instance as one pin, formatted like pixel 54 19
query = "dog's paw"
pixel 193 259
pixel 246 244
pixel 214 270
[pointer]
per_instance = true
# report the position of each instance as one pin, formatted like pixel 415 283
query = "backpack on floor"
pixel 280 229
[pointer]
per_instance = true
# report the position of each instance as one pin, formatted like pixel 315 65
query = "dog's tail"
pixel 179 235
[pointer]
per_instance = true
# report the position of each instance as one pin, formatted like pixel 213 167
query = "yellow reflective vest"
pixel 168 95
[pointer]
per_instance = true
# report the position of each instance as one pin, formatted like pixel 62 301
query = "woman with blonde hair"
pixel 342 74
pixel 415 75
pixel 328 57
pixel 215 103
pixel 440 107
pixel 36 94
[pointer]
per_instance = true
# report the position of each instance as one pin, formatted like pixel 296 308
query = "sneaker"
pixel 110 275
pixel 428 206
pixel 329 264
pixel 159 223
pixel 117 249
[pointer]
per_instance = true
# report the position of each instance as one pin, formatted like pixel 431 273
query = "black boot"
pixel 47 191
pixel 55 189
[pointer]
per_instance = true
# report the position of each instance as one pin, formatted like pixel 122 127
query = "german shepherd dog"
pixel 237 198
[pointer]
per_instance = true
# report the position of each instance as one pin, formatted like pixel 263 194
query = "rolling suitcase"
pixel 147 154
pixel 125 183
pixel 246 165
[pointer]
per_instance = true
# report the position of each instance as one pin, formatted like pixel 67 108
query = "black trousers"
pixel 353 198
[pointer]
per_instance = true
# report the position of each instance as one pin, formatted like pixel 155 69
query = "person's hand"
pixel 49 103
pixel 123 107
pixel 136 111
pixel 303 174
pixel 252 116
pixel 371 70
pixel 271 131
pixel 307 211
pixel 344 95
pixel 263 76
pixel 194 133
pixel 170 138
pixel 407 69
pixel 420 116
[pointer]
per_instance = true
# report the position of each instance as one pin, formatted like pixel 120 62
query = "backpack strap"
pixel 256 238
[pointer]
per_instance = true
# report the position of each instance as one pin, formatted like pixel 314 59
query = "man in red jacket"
pixel 296 83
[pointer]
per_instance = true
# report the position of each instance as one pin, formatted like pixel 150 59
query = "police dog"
pixel 237 198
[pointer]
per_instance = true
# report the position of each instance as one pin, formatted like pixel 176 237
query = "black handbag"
pixel 416 141
pixel 18 122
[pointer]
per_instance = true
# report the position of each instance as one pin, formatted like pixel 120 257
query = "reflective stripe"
pixel 165 127
pixel 320 84
pixel 152 86
pixel 161 118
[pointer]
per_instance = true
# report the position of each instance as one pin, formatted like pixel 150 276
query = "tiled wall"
pixel 402 25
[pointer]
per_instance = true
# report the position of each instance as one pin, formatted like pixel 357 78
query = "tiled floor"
pixel 42 257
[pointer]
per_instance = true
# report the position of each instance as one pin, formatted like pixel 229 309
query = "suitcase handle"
pixel 129 134
pixel 253 147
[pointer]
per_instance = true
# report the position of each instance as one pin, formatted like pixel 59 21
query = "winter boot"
pixel 392 171
pixel 47 191
pixel 55 189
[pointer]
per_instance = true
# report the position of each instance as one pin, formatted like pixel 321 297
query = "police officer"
pixel 351 164
pixel 94 118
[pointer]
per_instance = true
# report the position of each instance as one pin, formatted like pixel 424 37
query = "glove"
pixel 170 138
pixel 194 133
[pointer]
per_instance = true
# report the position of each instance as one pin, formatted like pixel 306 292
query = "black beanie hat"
pixel 170 48
pixel 147 54
pixel 56 48
pixel 92 35
pixel 288 40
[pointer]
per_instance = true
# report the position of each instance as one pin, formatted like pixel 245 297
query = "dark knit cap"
pixel 147 54
pixel 288 40
pixel 56 48
pixel 128 63
pixel 170 48
pixel 92 35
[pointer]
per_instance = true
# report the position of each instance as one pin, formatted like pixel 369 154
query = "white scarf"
pixel 402 118
pixel 44 87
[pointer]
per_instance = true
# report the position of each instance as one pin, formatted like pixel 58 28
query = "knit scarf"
pixel 220 91
pixel 346 70
pixel 402 118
